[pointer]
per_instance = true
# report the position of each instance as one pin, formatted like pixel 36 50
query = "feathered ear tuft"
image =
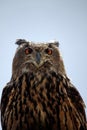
pixel 20 41
pixel 56 43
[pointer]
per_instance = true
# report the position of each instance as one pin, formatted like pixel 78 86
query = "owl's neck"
pixel 40 71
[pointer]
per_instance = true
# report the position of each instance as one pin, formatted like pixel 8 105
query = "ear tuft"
pixel 54 43
pixel 20 41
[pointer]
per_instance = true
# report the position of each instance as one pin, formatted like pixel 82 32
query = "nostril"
pixel 38 57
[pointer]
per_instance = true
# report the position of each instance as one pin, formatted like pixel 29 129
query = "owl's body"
pixel 39 95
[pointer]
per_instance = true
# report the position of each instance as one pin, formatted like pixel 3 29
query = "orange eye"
pixel 49 51
pixel 28 50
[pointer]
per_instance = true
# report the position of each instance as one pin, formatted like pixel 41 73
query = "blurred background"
pixel 45 20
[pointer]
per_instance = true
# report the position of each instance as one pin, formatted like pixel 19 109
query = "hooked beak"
pixel 38 57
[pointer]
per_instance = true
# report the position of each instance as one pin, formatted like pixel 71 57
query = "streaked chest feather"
pixel 40 101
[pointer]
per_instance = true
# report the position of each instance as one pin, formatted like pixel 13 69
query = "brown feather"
pixel 39 95
pixel 42 101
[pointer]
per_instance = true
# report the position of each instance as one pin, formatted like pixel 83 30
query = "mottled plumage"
pixel 40 96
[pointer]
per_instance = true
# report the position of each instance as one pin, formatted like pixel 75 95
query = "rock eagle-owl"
pixel 40 96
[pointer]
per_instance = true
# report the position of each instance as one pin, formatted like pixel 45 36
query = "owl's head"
pixel 37 57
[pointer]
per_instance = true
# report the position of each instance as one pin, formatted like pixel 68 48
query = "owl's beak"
pixel 38 57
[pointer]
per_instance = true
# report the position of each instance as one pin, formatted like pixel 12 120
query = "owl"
pixel 40 96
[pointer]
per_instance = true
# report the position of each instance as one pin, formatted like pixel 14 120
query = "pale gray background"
pixel 44 20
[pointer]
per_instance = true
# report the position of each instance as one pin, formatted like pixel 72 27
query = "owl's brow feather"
pixel 22 41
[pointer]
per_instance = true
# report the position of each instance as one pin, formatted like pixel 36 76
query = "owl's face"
pixel 40 57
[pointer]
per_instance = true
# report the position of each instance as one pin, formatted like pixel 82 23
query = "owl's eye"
pixel 49 51
pixel 28 50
